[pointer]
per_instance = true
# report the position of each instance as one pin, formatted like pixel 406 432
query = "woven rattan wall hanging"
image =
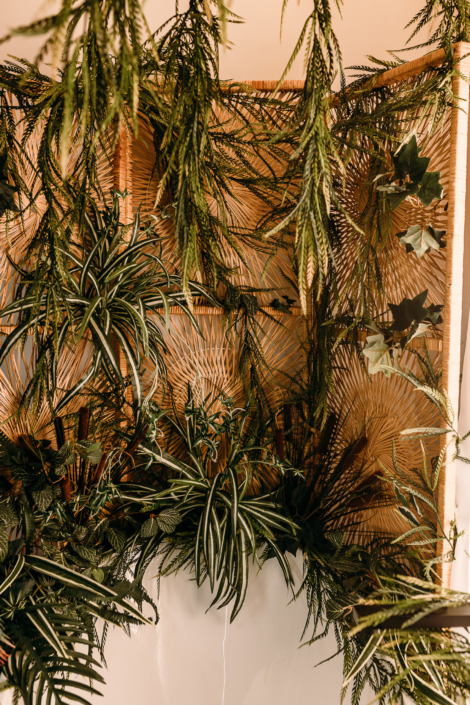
pixel 224 312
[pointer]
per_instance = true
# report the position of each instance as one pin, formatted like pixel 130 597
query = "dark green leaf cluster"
pixel 411 177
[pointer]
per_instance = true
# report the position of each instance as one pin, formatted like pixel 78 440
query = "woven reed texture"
pixel 209 362
pixel 379 408
pixel 403 275
pixel 253 268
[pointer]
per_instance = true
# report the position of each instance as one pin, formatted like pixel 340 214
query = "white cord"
pixel 223 655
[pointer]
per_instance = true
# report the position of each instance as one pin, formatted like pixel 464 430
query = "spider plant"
pixel 114 287
pixel 222 527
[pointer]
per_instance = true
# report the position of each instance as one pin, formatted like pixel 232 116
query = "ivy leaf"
pixel 43 498
pixel 438 235
pixel 377 353
pixel 422 239
pixel 434 314
pixel 396 193
pixel 407 162
pixel 168 520
pixel 149 528
pixel 409 311
pixel 420 330
pixel 89 451
pixel 430 188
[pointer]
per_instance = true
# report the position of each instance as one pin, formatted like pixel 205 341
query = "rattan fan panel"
pixel 380 408
pixel 402 274
pixel 209 359
pixel 16 229
pixel 206 363
pixel 254 265
pixel 15 375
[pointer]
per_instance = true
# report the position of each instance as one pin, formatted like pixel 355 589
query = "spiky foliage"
pixel 223 526
pixel 451 19
pixel 315 152
pixel 99 48
pixel 113 286
pixel 206 137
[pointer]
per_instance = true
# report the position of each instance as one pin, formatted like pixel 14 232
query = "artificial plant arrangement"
pixel 173 366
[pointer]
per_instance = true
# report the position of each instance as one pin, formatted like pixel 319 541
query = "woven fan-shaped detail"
pixel 380 408
pixel 209 360
pixel 401 273
pixel 208 363
pixel 14 378
pixel 255 265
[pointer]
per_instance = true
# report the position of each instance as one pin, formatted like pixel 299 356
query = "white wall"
pixel 200 658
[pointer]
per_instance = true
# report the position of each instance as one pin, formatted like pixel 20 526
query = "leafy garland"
pixel 215 486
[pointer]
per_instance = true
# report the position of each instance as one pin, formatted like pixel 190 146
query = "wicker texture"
pixel 380 408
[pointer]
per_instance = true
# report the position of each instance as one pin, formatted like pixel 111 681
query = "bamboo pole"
pixel 454 280
pixel 123 182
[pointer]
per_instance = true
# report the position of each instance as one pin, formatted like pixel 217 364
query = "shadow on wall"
pixel 200 658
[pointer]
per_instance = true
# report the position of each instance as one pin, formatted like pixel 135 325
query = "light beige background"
pixel 366 27
pixel 193 657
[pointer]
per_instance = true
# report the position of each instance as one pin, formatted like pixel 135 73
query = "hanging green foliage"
pixel 315 156
pixel 213 487
pixel 115 286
